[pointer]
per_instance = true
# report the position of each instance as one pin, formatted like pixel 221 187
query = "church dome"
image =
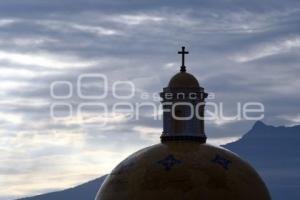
pixel 183 170
pixel 183 80
pixel 183 166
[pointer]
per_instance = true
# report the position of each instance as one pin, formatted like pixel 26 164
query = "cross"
pixel 183 52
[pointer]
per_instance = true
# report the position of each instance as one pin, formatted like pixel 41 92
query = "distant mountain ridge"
pixel 273 151
pixel 86 191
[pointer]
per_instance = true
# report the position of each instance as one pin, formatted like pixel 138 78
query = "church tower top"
pixel 183 79
pixel 183 103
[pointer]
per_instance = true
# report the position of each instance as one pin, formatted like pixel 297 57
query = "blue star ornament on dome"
pixel 222 161
pixel 169 162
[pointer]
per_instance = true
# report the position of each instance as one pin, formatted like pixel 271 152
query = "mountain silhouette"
pixel 86 191
pixel 272 151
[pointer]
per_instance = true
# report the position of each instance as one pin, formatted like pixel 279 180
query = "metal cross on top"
pixel 183 52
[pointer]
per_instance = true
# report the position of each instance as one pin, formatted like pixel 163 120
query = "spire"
pixel 183 52
pixel 183 105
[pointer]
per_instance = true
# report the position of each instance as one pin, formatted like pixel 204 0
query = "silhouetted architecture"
pixel 183 166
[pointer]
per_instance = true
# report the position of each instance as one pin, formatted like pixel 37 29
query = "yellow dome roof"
pixel 183 170
pixel 183 80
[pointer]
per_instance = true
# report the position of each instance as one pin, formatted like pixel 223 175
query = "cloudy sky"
pixel 242 51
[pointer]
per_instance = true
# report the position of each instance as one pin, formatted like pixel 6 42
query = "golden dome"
pixel 183 80
pixel 183 167
pixel 183 170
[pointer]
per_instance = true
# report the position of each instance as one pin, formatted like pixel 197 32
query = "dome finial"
pixel 183 52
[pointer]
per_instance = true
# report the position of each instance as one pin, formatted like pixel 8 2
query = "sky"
pixel 240 51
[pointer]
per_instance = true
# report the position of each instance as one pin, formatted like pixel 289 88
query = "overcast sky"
pixel 240 50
